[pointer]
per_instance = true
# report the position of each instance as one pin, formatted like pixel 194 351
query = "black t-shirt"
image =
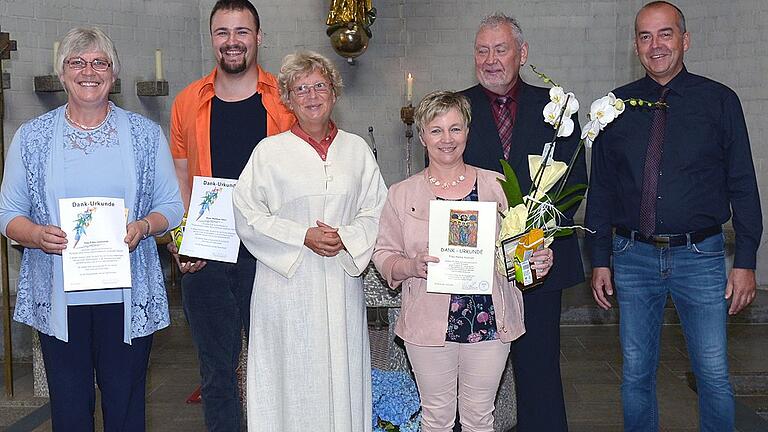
pixel 236 128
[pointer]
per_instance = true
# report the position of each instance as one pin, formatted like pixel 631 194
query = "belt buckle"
pixel 661 241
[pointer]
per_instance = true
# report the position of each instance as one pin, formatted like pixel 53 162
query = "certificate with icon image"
pixel 463 235
pixel 96 256
pixel 209 232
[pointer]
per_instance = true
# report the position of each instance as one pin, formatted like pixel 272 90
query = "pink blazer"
pixel 403 232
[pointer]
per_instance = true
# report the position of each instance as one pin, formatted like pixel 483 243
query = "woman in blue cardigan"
pixel 90 148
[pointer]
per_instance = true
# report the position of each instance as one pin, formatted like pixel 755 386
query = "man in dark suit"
pixel 502 101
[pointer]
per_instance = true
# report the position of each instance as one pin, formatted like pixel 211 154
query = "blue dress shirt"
pixel 706 172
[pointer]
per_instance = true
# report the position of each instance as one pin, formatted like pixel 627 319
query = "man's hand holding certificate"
pixel 96 256
pixel 463 235
pixel 210 228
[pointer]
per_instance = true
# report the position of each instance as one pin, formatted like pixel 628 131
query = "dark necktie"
pixel 504 125
pixel 651 171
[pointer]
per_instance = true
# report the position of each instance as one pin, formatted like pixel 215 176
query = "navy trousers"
pixel 536 359
pixel 96 345
pixel 217 302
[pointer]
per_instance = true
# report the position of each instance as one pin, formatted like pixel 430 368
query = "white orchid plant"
pixel 541 209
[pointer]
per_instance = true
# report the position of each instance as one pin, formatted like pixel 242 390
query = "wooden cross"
pixel 6 46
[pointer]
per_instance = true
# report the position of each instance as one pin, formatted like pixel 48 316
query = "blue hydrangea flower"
pixel 395 401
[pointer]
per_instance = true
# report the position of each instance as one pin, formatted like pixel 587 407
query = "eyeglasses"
pixel 321 88
pixel 77 63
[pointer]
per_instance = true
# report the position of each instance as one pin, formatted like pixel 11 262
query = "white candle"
pixel 55 54
pixel 409 89
pixel 158 65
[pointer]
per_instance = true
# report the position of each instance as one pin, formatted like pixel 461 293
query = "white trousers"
pixel 465 372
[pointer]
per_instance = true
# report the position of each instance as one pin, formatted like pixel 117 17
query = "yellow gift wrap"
pixel 517 253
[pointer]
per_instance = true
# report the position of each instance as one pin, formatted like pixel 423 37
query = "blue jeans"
pixel 217 306
pixel 694 275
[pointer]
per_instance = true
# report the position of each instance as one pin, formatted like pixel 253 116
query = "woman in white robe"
pixel 307 207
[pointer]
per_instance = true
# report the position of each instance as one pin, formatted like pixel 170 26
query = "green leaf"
pixel 510 185
pixel 570 203
pixel 571 190
pixel 565 232
pixel 388 426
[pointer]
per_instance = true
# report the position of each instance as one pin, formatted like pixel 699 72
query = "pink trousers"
pixel 465 372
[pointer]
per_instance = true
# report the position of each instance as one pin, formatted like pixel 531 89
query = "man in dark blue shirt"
pixel 663 183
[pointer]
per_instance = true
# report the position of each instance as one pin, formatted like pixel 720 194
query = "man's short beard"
pixel 232 69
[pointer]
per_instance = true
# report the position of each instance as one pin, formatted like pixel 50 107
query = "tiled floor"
pixel 591 364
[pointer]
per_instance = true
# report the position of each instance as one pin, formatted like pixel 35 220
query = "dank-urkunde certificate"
pixel 210 230
pixel 96 256
pixel 463 235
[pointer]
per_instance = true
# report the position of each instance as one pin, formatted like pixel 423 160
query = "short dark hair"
pixel 680 16
pixel 235 5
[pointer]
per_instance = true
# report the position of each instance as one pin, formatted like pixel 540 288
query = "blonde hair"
pixel 440 102
pixel 304 63
pixel 81 39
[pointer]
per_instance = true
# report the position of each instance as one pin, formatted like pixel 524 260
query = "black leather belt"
pixel 670 240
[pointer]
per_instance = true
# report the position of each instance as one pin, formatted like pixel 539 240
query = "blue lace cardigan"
pixel 30 188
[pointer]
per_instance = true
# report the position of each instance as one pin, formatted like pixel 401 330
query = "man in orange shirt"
pixel 215 124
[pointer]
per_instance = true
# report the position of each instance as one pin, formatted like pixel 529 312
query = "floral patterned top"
pixel 471 318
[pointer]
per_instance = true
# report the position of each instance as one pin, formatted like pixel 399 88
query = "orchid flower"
pixel 590 132
pixel 553 110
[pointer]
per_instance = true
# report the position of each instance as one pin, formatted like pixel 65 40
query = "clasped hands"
pixel 323 240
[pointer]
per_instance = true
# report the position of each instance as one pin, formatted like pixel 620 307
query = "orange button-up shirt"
pixel 191 120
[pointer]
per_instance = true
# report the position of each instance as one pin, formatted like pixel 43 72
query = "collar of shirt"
pixel 207 92
pixel 511 96
pixel 322 146
pixel 675 85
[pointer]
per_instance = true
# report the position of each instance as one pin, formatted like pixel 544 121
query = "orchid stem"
pixel 561 185
pixel 540 172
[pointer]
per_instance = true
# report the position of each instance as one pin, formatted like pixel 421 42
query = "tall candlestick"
pixel 158 65
pixel 55 54
pixel 409 89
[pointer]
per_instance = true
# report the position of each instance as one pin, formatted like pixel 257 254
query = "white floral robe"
pixel 308 355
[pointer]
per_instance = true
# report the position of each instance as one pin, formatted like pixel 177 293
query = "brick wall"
pixel 584 45
pixel 137 28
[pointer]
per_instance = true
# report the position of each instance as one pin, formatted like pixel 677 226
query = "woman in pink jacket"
pixel 457 344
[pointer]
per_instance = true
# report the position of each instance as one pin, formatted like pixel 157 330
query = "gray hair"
pixel 304 63
pixel 680 16
pixel 82 39
pixel 499 18
pixel 440 102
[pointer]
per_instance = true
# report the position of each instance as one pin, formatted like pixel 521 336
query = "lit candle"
pixel 158 65
pixel 55 54
pixel 409 89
